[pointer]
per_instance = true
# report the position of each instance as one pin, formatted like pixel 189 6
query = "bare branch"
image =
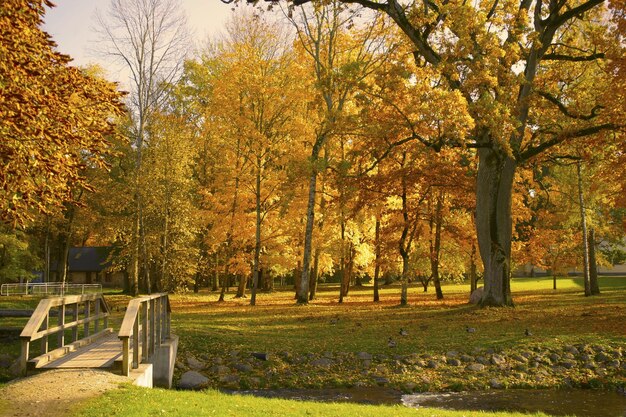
pixel 562 57
pixel 558 138
pixel 566 111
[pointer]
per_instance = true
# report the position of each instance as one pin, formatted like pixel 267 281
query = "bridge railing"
pixel 82 309
pixel 146 325
pixel 48 288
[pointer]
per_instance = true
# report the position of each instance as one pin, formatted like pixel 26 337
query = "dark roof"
pixel 89 259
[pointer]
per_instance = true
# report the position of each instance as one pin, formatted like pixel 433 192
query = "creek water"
pixel 580 403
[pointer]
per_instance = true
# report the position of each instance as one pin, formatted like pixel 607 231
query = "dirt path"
pixel 53 393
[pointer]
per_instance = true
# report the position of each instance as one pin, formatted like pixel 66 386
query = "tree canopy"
pixel 55 118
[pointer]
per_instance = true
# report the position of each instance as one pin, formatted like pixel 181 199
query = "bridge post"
pixel 96 324
pixel 125 357
pixel 75 318
pixel 87 314
pixel 145 329
pixel 136 343
pixel 105 320
pixel 24 356
pixel 61 333
pixel 152 344
pixel 157 316
pixel 44 339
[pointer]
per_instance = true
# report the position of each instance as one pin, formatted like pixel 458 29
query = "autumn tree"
pixel 258 94
pixel 149 39
pixel 339 63
pixel 55 118
pixel 502 58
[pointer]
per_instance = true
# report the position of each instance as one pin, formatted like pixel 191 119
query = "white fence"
pixel 51 288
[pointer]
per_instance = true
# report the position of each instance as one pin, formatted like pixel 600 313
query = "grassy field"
pixel 213 330
pixel 358 324
pixel 132 401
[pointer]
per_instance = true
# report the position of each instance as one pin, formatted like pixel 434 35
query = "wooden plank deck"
pixel 100 354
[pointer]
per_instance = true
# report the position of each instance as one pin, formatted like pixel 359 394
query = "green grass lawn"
pixel 276 323
pixel 211 330
pixel 132 401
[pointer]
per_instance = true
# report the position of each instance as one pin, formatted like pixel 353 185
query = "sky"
pixel 71 24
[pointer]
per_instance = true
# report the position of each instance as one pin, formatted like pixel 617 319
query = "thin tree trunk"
pixel 302 293
pixel 377 261
pixel 404 294
pixel 62 268
pixel 405 243
pixel 436 249
pixel 216 277
pixel 296 277
pixel 46 271
pixel 314 273
pixel 342 258
pixel 164 247
pixel 473 276
pixel 268 278
pixel 494 187
pixel 136 242
pixel 388 278
pixel 241 288
pixel 583 221
pixel 350 269
pixel 134 260
pixel 257 239
pixel 63 260
pixel 593 266
pixel 224 283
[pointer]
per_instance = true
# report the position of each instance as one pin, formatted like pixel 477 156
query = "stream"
pixel 580 403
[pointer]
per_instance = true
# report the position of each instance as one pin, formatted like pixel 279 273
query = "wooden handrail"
pixel 147 318
pixel 38 326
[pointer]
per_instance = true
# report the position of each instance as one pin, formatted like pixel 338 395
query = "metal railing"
pixel 83 310
pixel 146 325
pixel 49 288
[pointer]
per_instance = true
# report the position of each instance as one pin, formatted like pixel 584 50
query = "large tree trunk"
pixel 593 265
pixel 377 261
pixel 494 188
pixel 583 221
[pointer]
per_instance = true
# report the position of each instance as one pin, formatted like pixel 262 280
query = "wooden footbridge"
pixel 143 348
